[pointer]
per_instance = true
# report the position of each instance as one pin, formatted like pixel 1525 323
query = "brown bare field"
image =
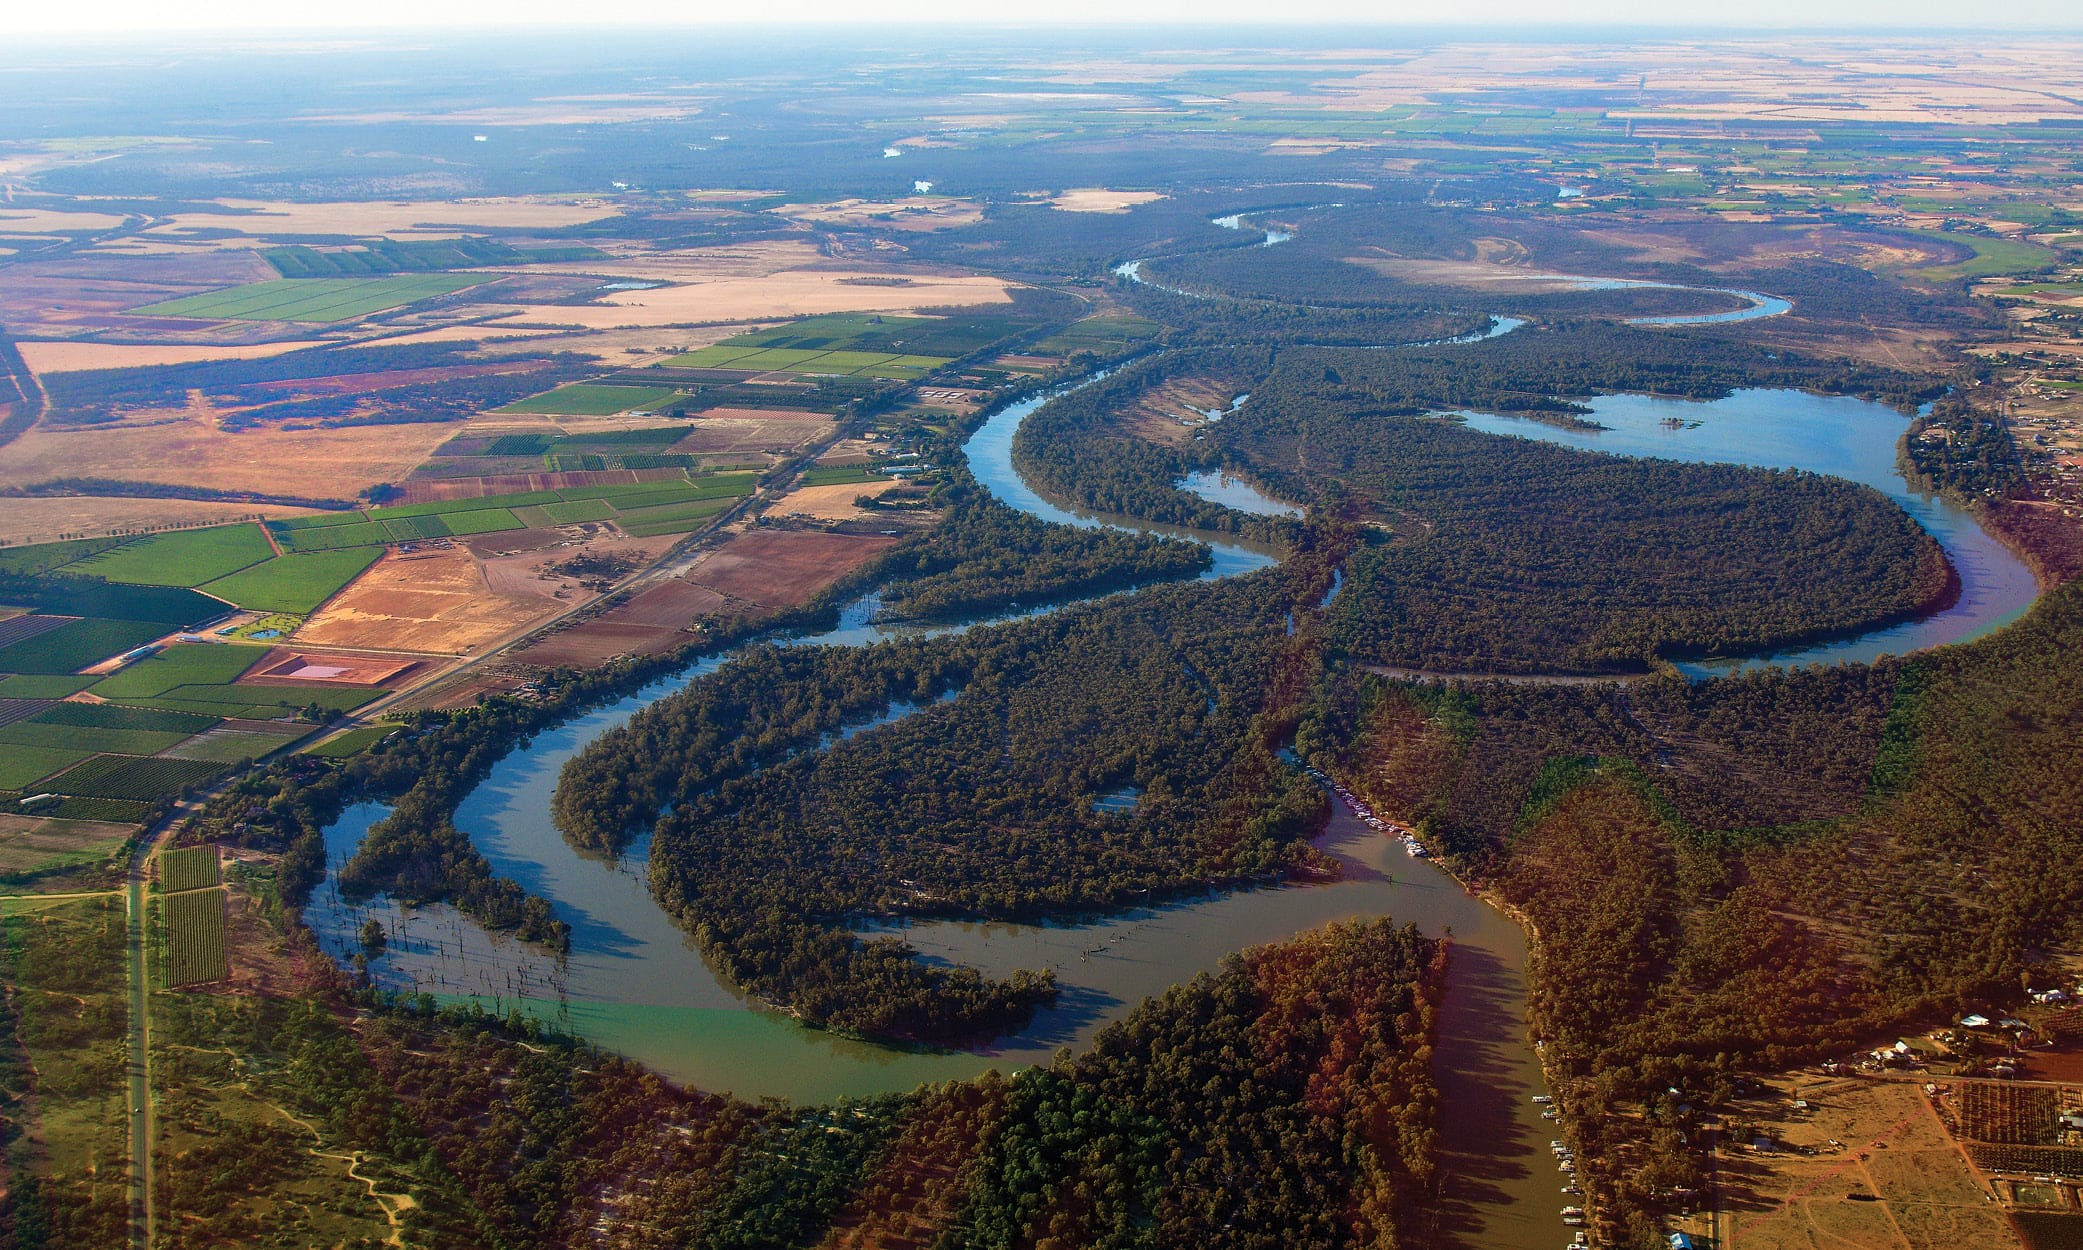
pixel 334 668
pixel 784 568
pixel 190 450
pixel 432 603
pixel 414 218
pixel 831 503
pixel 45 520
pixel 91 293
pixel 623 347
pixel 1917 1190
pixel 487 546
pixel 791 293
pixel 523 574
pixel 1102 200
pixel 750 430
pixel 74 357
pixel 359 383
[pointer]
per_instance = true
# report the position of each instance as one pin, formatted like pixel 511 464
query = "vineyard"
pixel 190 868
pixel 195 938
pixel 2027 1160
pixel 2008 1115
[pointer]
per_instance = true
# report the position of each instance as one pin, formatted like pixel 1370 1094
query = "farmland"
pixel 591 399
pixel 127 777
pixel 189 868
pixel 195 946
pixel 184 558
pixel 31 846
pixel 297 582
pixel 312 299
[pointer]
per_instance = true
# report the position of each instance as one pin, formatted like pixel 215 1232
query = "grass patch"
pixel 193 664
pixel 295 583
pixel 593 399
pixel 353 742
pixel 183 558
pixel 312 299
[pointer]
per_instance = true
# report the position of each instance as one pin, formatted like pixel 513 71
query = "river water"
pixel 633 983
pixel 1841 436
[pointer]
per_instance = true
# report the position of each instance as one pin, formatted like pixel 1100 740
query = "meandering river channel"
pixel 634 984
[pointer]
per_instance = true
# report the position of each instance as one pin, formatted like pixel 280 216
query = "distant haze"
pixel 123 17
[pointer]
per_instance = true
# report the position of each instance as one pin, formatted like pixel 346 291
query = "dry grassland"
pixel 413 218
pixel 75 357
pixel 831 503
pixel 89 516
pixel 435 603
pixel 773 297
pixel 190 450
pixel 54 220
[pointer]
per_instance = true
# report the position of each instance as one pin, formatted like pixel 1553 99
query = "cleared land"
pixel 79 357
pixel 833 502
pixel 191 449
pixel 31 844
pixel 436 603
pixel 1102 200
pixel 1897 1180
pixel 325 300
pixel 784 568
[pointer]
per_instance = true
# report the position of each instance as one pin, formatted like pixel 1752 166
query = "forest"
pixel 1285 1099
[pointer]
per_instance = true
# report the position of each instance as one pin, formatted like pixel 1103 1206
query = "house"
pixel 2071 1121
pixel 1974 1022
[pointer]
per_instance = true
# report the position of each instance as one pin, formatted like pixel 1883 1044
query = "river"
pixel 633 983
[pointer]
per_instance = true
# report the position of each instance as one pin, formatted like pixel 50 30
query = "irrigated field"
pixel 189 868
pixel 195 953
pixel 298 582
pixel 312 299
pixel 183 558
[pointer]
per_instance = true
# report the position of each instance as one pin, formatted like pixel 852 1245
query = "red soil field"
pixel 306 668
pixel 785 568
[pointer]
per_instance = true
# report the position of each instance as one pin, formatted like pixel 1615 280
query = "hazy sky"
pixel 131 16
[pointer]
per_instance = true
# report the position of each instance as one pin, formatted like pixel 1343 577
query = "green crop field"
pixel 77 645
pixel 839 476
pixel 680 518
pixel 190 868
pixel 412 529
pixel 592 399
pixel 21 765
pixel 182 558
pixel 482 521
pixel 115 716
pixel 353 742
pixel 88 739
pixel 129 777
pixel 1993 257
pixel 198 664
pixel 320 521
pixel 43 557
pixel 312 299
pixel 39 686
pixel 228 745
pixel 195 951
pixel 293 583
pixel 258 702
pixel 334 537
pixel 578 510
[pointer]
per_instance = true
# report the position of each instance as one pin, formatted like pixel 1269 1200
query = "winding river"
pixel 634 984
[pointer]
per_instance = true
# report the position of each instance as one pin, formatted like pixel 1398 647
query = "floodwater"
pixel 1841 436
pixel 1234 492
